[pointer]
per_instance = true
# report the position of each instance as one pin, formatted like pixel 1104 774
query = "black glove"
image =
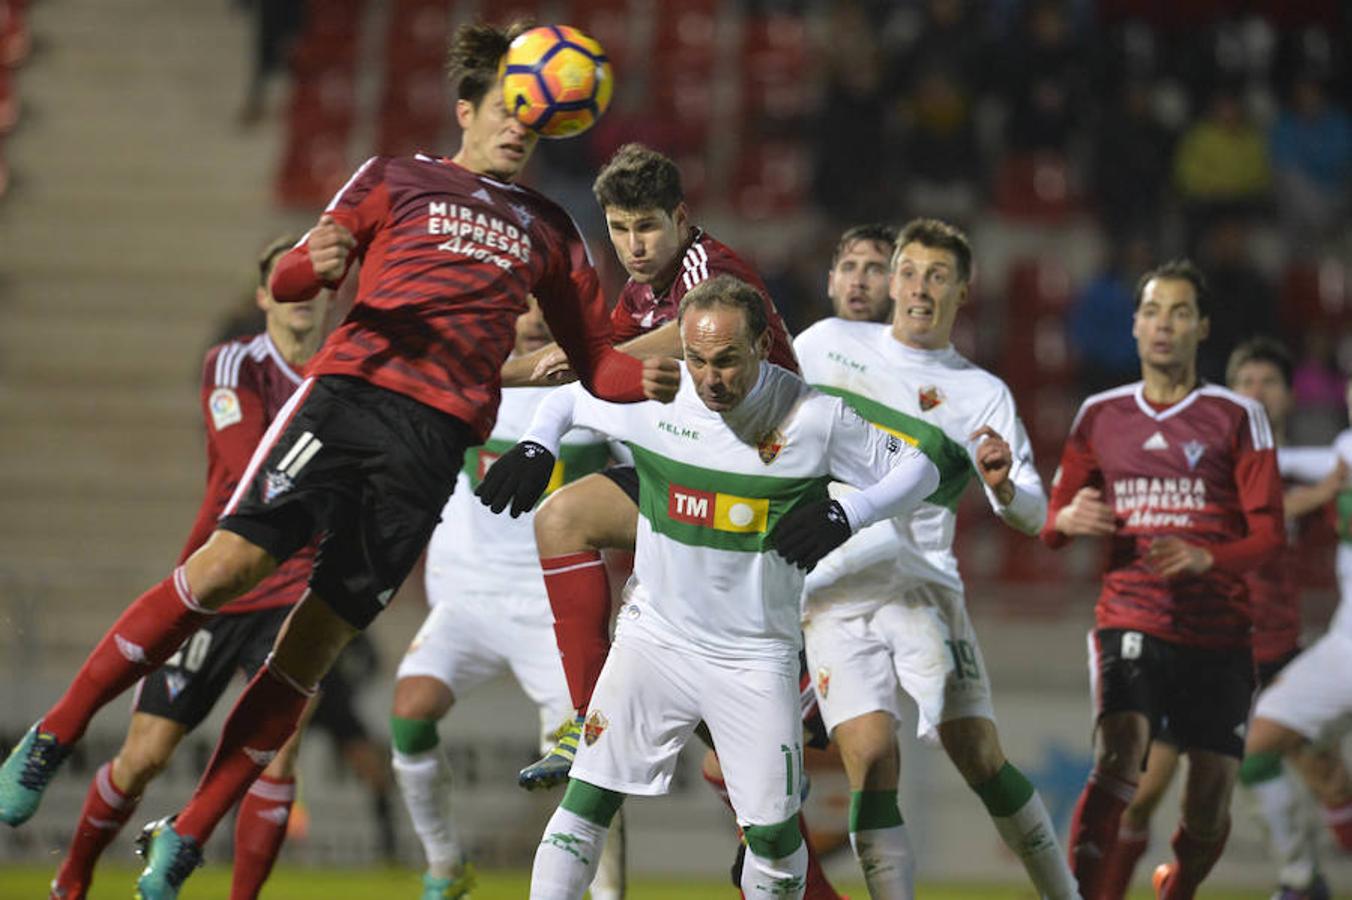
pixel 519 476
pixel 809 532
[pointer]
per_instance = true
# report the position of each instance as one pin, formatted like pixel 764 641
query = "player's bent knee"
pixel 774 841
pixel 597 805
pixel 226 567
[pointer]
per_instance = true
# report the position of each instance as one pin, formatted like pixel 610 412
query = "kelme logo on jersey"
pixel 722 512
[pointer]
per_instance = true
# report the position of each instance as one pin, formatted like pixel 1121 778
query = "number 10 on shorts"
pixel 964 659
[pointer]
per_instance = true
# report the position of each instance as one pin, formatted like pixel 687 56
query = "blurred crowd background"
pixel 154 146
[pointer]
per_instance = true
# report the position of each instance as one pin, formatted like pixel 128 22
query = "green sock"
pixel 1006 793
pixel 871 810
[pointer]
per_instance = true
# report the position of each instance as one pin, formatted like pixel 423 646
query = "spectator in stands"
pixel 1221 167
pixel 941 153
pixel 1101 316
pixel 1311 145
pixel 276 25
pixel 850 131
pixel 1131 164
pixel 1246 303
pixel 1045 77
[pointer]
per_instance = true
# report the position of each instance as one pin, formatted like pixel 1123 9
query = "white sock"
pixel 886 859
pixel 1030 835
pixel 425 781
pixel 567 858
pixel 778 878
pixel 1291 833
pixel 610 881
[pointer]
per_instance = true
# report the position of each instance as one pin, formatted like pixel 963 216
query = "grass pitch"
pixel 290 883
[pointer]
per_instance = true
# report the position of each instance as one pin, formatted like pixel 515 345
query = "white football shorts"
pixel 646 705
pixel 922 643
pixel 1313 693
pixel 472 638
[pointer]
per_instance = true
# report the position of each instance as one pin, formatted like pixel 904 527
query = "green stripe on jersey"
pixel 950 457
pixel 713 508
pixel 576 460
pixel 1343 509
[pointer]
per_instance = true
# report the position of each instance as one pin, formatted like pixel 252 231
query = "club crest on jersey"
pixel 594 727
pixel 174 683
pixel 823 682
pixel 1192 451
pixel 523 215
pixel 769 445
pixel 275 484
pixel 930 397
pixel 224 406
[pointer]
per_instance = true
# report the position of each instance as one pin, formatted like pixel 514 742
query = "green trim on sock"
pixel 1006 793
pixel 871 810
pixel 595 804
pixel 413 735
pixel 774 841
pixel 1257 768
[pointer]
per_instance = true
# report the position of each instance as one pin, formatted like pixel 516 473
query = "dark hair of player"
pixel 1259 349
pixel 1179 270
pixel 268 256
pixel 637 178
pixel 476 50
pixel 937 235
pixel 874 233
pixel 732 293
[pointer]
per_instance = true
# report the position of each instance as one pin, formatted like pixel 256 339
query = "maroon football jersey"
pixel 244 384
pixel 1274 594
pixel 639 310
pixel 448 257
pixel 1203 470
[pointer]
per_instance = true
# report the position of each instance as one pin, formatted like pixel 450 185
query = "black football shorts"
pixel 1199 698
pixel 369 470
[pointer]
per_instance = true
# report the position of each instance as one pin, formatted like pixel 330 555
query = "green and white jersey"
pixel 934 400
pixel 496 555
pixel 712 487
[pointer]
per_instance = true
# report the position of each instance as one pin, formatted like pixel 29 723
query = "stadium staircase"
pixel 135 208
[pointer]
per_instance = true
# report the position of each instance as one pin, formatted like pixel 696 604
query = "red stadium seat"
pixel 775 54
pixel 412 111
pixel 504 12
pixel 770 178
pixel 1036 187
pixel 314 167
pixel 609 21
pixel 1316 293
pixel 685 33
pixel 417 36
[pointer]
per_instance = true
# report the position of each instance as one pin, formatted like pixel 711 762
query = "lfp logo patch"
pixel 721 512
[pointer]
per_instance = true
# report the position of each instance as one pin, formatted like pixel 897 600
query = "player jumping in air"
pixel 368 449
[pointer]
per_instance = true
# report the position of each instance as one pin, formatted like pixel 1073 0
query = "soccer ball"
pixel 556 80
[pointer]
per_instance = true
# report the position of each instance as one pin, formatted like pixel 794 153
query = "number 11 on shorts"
pixel 792 755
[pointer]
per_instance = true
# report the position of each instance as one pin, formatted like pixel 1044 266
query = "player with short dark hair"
pixel 1182 476
pixel 367 450
pixel 244 384
pixel 1259 368
pixel 666 256
pixel 861 265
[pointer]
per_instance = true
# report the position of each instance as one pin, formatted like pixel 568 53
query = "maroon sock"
pixel 818 886
pixel 260 829
pixel 579 595
pixel 1195 859
pixel 144 636
pixel 1093 829
pixel 264 716
pixel 1339 822
pixel 106 810
pixel 1121 861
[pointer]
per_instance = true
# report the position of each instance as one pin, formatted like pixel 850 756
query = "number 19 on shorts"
pixel 793 756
